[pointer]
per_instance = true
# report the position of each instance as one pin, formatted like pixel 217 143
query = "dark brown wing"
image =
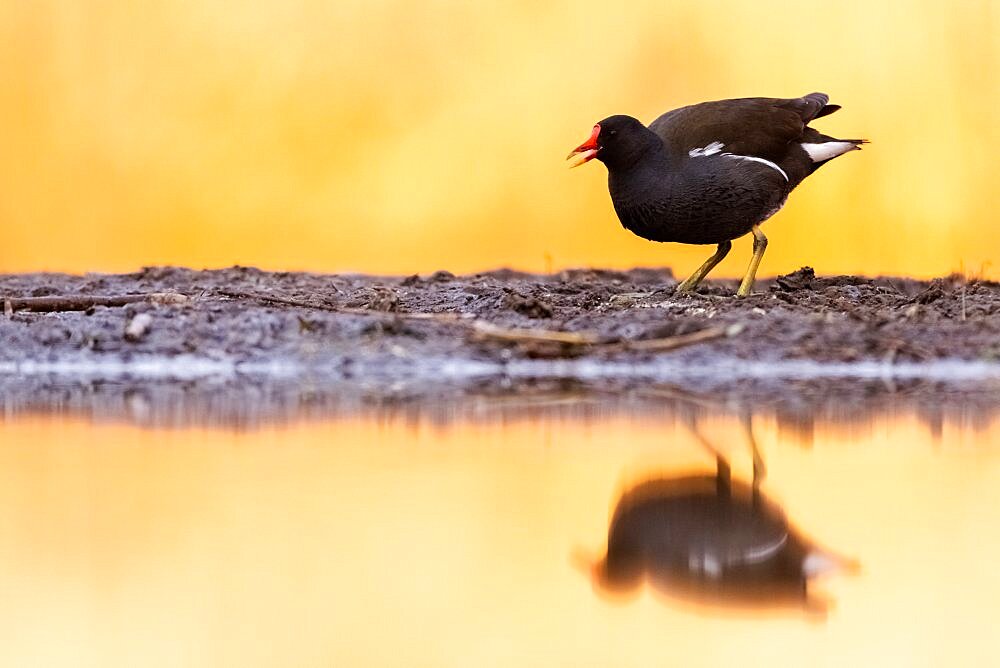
pixel 756 126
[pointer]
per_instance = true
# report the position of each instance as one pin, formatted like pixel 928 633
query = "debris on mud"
pixel 333 321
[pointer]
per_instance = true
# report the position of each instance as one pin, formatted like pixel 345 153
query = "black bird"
pixel 712 172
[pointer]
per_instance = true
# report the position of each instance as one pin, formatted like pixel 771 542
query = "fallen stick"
pixel 54 303
pixel 489 330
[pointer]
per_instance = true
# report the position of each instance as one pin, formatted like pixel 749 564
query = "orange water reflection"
pixel 368 542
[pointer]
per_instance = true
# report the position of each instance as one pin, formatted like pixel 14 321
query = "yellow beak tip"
pixel 581 157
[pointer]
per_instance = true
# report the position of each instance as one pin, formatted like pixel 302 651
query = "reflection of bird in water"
pixel 713 540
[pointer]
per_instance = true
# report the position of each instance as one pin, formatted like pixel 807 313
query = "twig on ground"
pixel 489 330
pixel 443 317
pixel 679 340
pixel 52 303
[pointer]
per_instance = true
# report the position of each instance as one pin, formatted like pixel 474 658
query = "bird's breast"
pixel 707 203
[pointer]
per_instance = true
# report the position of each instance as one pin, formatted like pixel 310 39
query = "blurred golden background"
pixel 394 136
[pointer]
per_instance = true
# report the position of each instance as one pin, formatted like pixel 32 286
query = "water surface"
pixel 447 536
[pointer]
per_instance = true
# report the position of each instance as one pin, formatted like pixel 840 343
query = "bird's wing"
pixel 754 126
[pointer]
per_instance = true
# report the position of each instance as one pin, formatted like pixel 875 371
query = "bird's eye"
pixel 613 133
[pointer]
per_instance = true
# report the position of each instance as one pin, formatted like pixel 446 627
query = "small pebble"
pixel 137 327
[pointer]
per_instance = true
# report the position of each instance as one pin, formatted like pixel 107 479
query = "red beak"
pixel 585 151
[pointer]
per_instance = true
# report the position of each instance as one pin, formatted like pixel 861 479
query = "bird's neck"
pixel 639 156
pixel 648 177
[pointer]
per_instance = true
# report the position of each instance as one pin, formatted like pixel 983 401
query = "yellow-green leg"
pixel 694 279
pixel 759 246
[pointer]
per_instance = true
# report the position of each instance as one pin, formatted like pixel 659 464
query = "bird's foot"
pixel 686 286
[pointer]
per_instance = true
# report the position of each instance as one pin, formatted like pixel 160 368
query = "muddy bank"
pixel 230 312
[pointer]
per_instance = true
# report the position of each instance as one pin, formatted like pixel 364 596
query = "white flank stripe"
pixel 711 149
pixel 756 159
pixel 827 150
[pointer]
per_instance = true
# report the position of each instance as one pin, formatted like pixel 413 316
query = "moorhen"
pixel 711 172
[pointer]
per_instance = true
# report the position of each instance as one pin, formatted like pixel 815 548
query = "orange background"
pixel 398 136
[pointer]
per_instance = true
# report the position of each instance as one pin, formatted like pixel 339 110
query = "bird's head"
pixel 617 141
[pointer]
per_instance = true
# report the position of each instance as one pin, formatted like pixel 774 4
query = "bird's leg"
pixel 759 469
pixel 759 246
pixel 694 279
